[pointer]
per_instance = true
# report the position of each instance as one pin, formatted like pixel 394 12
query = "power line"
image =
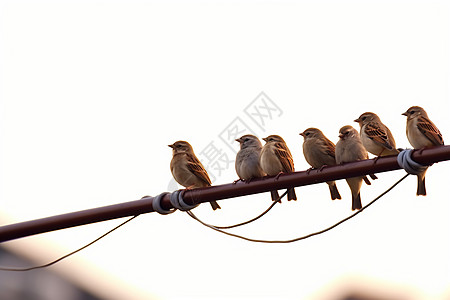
pixel 16 269
pixel 69 254
pixel 218 229
pixel 425 156
pixel 428 159
pixel 254 219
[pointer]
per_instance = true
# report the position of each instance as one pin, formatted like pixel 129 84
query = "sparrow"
pixel 275 159
pixel 375 136
pixel 350 148
pixel 421 133
pixel 319 152
pixel 247 159
pixel 187 170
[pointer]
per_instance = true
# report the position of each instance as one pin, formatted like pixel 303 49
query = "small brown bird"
pixel 187 169
pixel 375 136
pixel 275 159
pixel 247 159
pixel 421 133
pixel 319 152
pixel 350 148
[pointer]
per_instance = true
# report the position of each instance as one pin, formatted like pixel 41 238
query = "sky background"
pixel 92 92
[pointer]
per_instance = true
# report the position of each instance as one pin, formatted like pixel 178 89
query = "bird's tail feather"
pixel 215 205
pixel 334 192
pixel 291 194
pixel 274 195
pixel 421 190
pixel 356 202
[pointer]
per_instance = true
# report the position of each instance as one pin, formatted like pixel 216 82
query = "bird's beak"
pixel 302 134
pixel 171 146
pixel 358 120
pixel 239 140
pixel 405 113
pixel 341 135
pixel 264 139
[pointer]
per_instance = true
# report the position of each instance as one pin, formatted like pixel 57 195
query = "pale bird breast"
pixel 415 137
pixel 247 164
pixel 270 162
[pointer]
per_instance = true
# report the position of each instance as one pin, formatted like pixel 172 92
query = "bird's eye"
pixel 246 139
pixel 411 112
pixel 363 118
pixel 307 133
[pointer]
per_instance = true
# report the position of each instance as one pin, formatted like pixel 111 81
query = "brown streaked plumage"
pixel 421 132
pixel 319 151
pixel 276 158
pixel 187 170
pixel 375 136
pixel 350 148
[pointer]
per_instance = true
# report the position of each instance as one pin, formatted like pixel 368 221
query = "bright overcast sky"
pixel 92 92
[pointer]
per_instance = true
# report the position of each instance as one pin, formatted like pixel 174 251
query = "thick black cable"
pixel 67 255
pixel 303 237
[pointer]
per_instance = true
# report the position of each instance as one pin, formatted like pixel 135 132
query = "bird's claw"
pixel 278 175
pixel 376 159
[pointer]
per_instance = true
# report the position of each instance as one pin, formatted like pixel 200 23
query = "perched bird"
pixel 350 148
pixel 375 136
pixel 247 159
pixel 421 133
pixel 319 152
pixel 187 169
pixel 275 159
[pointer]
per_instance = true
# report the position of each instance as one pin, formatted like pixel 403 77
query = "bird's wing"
pixel 285 157
pixel 378 134
pixel 196 167
pixel 430 130
pixel 330 148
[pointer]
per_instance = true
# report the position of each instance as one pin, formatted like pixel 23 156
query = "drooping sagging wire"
pixel 69 254
pixel 252 220
pixel 303 237
pixel 216 228
pixel 117 227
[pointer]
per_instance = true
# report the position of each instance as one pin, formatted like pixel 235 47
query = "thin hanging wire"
pixel 302 237
pixel 69 254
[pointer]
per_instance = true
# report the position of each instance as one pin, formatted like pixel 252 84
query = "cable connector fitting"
pixel 405 161
pixel 177 201
pixel 156 204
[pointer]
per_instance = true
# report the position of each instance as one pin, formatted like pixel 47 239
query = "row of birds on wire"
pixel 255 160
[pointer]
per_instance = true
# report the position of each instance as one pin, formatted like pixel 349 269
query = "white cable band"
pixel 156 204
pixel 406 162
pixel 176 199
